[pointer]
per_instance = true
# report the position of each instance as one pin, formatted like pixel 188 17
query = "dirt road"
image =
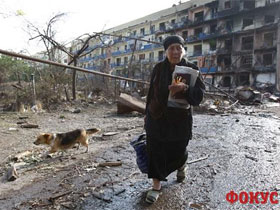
pixel 235 152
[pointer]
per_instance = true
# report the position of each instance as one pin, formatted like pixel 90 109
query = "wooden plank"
pixel 127 104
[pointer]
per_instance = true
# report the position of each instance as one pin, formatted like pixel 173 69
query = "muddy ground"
pixel 237 151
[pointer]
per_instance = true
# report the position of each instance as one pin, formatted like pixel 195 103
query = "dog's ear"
pixel 46 135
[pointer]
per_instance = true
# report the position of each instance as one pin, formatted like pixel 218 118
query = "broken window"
pixel 162 26
pixel 185 34
pixel 226 81
pixel 269 19
pixel 249 4
pixel 227 5
pixel 125 60
pixel 131 46
pixel 267 59
pixel 142 57
pixel 173 22
pixel 227 60
pixel 198 16
pixel 229 25
pixel 142 31
pixel 118 61
pixel 212 44
pixel 228 44
pixel 197 50
pixel 247 22
pixel 151 56
pixel 246 61
pixel 244 79
pixel 247 43
pixel 214 12
pixel 268 40
pixel 160 39
pixel 160 55
pixel 213 29
pixel 152 29
pixel 197 31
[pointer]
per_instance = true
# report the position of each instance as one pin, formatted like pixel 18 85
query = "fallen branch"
pixel 197 160
pixel 27 125
pixel 17 87
pixel 110 164
pixel 53 198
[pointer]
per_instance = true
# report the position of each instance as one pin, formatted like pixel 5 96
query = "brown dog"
pixel 63 141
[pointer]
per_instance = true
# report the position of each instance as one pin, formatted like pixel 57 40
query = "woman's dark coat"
pixel 168 129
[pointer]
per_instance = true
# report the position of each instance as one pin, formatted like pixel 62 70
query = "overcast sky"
pixel 83 16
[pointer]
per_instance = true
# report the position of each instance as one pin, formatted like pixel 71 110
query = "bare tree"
pixel 47 36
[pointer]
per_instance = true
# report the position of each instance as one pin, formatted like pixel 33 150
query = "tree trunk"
pixel 129 67
pixel 74 81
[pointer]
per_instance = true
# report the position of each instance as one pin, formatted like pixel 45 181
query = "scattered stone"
pixel 76 111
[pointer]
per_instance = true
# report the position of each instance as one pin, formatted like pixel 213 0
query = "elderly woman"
pixel 169 128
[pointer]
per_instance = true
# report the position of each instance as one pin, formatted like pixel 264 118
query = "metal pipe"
pixel 4 52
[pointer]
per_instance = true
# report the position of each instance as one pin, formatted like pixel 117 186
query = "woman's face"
pixel 175 53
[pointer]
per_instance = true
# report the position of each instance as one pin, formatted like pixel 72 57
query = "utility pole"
pixel 278 58
pixel 33 88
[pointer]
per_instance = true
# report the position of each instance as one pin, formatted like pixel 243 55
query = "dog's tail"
pixel 92 130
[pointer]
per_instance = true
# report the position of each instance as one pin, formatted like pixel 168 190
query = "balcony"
pixel 118 40
pixel 147 46
pixel 198 19
pixel 271 68
pixel 269 2
pixel 83 59
pixel 228 12
pixel 224 51
pixel 201 36
pixel 208 70
pixel 116 53
pixel 247 46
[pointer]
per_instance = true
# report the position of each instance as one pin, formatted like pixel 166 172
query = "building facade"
pixel 233 42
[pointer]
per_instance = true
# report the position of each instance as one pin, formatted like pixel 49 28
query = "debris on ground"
pixel 127 104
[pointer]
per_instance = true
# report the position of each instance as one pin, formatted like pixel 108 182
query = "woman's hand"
pixel 177 87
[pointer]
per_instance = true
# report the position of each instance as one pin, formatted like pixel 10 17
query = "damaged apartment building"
pixel 233 42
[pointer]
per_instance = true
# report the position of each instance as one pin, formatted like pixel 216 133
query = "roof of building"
pixel 160 14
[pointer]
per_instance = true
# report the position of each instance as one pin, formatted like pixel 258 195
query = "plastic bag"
pixel 140 146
